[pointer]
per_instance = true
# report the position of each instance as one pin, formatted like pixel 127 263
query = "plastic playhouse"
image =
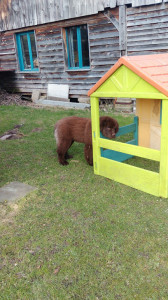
pixel 146 79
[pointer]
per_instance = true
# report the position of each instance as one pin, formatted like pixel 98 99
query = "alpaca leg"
pixel 88 152
pixel 62 151
pixel 67 155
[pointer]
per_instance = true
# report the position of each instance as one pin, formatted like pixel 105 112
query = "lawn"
pixel 78 236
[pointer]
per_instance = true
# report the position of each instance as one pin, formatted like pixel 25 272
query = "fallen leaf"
pixel 38 129
pixel 57 270
pixel 39 267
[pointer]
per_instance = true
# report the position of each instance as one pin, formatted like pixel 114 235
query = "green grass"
pixel 78 236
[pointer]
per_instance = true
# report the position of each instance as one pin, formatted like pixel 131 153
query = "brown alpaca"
pixel 76 129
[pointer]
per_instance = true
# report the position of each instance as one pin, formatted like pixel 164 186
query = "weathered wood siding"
pixel 23 13
pixel 144 2
pixel 147 29
pixel 104 52
pixel 16 14
pixel 7 52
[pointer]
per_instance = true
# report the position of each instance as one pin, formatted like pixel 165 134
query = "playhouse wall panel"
pixel 144 134
pixel 141 179
pixel 155 138
pixel 149 132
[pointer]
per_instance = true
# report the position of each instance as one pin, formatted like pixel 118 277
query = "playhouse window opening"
pixel 27 53
pixel 125 138
pixel 136 161
pixel 144 163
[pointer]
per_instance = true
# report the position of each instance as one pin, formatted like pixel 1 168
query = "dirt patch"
pixel 12 134
pixel 8 212
pixel 38 129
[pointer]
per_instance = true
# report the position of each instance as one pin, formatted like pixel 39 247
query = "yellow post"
pixel 95 132
pixel 163 188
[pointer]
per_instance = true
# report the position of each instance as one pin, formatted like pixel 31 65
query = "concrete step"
pixel 53 103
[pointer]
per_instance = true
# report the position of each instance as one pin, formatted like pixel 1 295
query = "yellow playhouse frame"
pixel 125 81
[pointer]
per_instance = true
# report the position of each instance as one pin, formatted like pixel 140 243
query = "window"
pixel 77 47
pixel 27 51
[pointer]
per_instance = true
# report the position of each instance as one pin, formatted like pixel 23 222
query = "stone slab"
pixel 14 191
pixel 58 92
pixel 36 95
pixel 45 102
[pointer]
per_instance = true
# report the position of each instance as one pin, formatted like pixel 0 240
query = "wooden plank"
pixel 145 38
pixel 162 27
pixel 123 2
pixel 122 29
pixel 142 9
pixel 104 34
pixel 146 33
pixel 107 41
pixel 104 62
pixel 157 13
pixel 162 42
pixel 145 2
pixel 146 21
pixel 96 29
pixel 143 48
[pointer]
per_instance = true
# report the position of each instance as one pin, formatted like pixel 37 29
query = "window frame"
pixel 79 45
pixel 20 51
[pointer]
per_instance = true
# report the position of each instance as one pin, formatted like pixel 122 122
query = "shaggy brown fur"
pixel 76 129
pixel 88 152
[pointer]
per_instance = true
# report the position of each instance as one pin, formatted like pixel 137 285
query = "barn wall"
pixel 146 33
pixel 104 52
pixel 16 14
pixel 7 52
pixel 147 29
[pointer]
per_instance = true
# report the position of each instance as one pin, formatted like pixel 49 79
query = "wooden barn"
pixel 75 42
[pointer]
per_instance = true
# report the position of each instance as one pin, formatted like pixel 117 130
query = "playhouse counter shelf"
pixel 146 79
